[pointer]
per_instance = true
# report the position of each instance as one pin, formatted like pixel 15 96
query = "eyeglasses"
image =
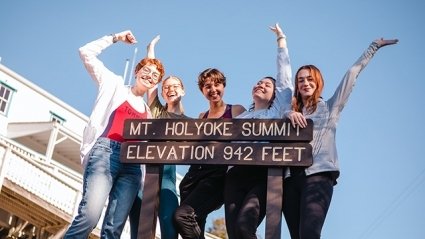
pixel 146 71
pixel 169 87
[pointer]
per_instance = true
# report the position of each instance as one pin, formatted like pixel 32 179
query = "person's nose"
pixel 304 82
pixel 259 86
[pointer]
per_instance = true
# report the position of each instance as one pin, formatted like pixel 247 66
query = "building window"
pixel 56 118
pixel 5 97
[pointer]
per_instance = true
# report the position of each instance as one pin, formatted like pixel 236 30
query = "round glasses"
pixel 169 87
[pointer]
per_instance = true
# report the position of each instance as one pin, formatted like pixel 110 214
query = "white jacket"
pixel 111 93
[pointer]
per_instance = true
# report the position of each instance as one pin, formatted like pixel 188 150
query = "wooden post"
pixel 150 202
pixel 215 142
pixel 274 203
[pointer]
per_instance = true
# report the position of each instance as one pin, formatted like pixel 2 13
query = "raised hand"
pixel 151 47
pixel 126 36
pixel 385 42
pixel 276 29
pixel 281 38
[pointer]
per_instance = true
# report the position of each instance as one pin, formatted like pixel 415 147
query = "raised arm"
pixel 295 117
pixel 89 52
pixel 124 36
pixel 151 47
pixel 153 92
pixel 337 102
pixel 281 38
pixel 284 86
pixel 381 42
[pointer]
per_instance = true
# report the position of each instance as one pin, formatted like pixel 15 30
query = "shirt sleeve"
pixel 97 70
pixel 337 102
pixel 284 87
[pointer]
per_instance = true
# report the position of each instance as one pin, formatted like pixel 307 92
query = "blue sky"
pixel 381 190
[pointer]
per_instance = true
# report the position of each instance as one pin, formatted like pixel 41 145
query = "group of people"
pixel 205 188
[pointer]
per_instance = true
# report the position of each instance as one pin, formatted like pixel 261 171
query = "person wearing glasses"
pixel 105 177
pixel 172 93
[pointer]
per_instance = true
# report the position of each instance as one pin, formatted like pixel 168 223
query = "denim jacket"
pixel 326 116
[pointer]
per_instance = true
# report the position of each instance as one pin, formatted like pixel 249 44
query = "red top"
pixel 115 127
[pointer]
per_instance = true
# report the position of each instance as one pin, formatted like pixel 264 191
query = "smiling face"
pixel 306 84
pixel 172 90
pixel 212 83
pixel 309 86
pixel 264 91
pixel 148 72
pixel 213 90
pixel 148 76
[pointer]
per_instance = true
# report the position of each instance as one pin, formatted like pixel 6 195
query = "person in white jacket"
pixel 105 177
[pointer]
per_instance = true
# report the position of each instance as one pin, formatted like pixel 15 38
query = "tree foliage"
pixel 218 228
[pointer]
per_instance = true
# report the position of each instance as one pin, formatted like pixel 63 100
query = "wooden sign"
pixel 266 154
pixel 216 129
pixel 262 142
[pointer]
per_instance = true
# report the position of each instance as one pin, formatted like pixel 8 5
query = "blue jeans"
pixel 105 176
pixel 168 203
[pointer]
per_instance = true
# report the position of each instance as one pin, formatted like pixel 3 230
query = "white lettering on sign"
pixel 181 152
pixel 201 128
pixel 214 128
pixel 177 128
pixel 238 153
pixel 278 153
pixel 136 129
pixel 264 129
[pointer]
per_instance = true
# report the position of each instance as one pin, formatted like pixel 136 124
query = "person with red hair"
pixel 308 191
pixel 105 177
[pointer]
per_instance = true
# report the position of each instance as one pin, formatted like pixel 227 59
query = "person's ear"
pixel 182 93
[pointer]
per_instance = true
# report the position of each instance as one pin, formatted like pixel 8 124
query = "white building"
pixel 40 171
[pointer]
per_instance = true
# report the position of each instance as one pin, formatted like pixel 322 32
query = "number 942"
pixel 238 153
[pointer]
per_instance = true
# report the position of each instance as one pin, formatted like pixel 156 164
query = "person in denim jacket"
pixel 308 191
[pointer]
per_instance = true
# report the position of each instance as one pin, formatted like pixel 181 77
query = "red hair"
pixel 311 105
pixel 151 61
